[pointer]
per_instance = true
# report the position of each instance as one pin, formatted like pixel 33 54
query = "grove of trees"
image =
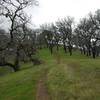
pixel 85 36
pixel 20 43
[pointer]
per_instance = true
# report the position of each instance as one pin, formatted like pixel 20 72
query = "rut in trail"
pixel 42 93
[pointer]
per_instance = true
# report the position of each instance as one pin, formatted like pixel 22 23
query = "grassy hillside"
pixel 66 78
pixel 73 78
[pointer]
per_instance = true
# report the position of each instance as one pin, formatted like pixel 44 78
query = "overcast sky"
pixel 51 10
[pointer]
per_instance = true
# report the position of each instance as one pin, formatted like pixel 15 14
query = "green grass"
pixel 68 77
pixel 20 85
pixel 76 77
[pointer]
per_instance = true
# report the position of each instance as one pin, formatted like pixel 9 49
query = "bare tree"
pixel 13 10
pixel 88 34
pixel 65 27
pixel 56 35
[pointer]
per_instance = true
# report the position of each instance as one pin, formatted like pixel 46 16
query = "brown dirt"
pixel 41 91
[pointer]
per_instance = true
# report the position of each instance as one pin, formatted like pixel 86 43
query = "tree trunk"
pixel 81 50
pixel 17 66
pixel 84 50
pixel 70 49
pixel 57 47
pixel 94 52
pixel 51 48
pixel 64 46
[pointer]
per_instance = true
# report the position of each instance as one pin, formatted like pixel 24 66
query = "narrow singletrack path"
pixel 41 93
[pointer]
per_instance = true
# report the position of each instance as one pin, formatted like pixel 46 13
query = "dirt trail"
pixel 42 93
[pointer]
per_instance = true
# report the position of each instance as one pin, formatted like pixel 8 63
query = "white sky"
pixel 51 10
